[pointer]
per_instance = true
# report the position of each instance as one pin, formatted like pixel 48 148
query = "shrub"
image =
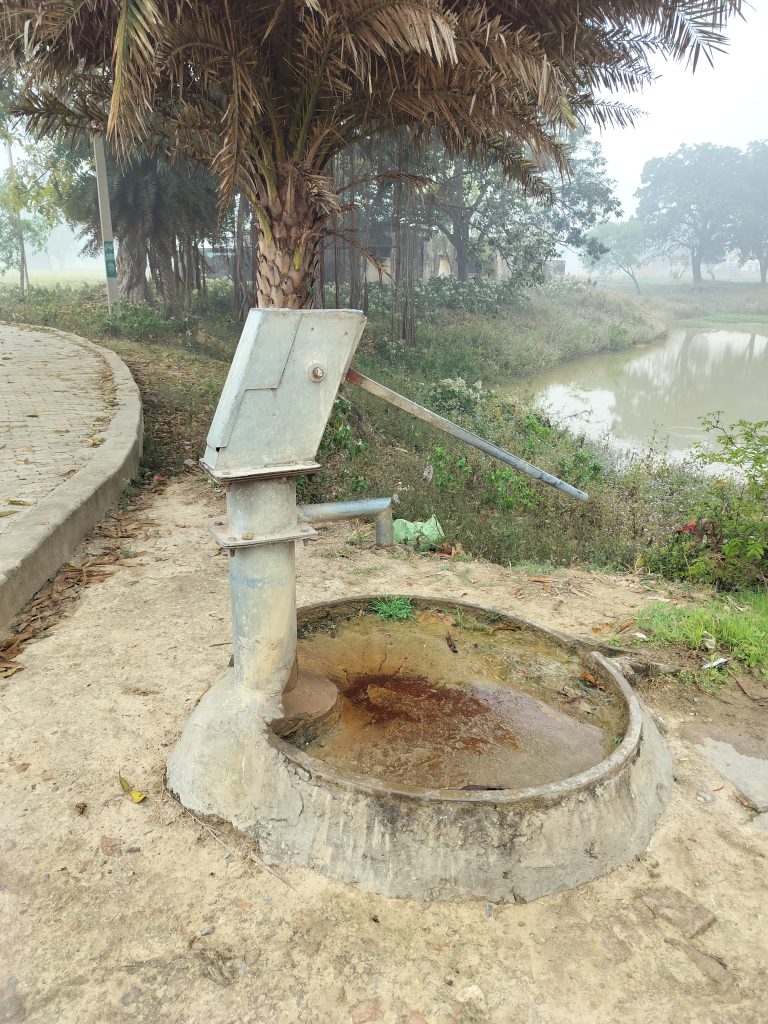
pixel 725 539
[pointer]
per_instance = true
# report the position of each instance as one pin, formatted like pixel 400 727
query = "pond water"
pixel 663 389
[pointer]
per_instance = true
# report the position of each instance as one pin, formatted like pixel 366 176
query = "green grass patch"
pixel 736 626
pixel 397 609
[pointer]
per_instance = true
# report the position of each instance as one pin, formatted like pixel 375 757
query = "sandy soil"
pixel 118 911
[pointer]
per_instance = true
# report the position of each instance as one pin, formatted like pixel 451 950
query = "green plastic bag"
pixel 421 536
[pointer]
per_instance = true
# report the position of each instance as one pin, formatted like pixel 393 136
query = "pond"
pixel 661 390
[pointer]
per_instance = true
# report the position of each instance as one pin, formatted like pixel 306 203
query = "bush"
pixel 725 540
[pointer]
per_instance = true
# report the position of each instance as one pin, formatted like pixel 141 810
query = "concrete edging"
pixel 34 549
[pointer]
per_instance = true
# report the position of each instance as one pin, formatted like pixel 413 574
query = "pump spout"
pixel 400 402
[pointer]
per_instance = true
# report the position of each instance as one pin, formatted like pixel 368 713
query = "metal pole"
pixel 263 586
pixel 379 509
pixel 400 402
pixel 105 215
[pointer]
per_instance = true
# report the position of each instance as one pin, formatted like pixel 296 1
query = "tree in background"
pixel 266 92
pixel 19 229
pixel 480 211
pixel 162 214
pixel 625 248
pixel 749 232
pixel 686 203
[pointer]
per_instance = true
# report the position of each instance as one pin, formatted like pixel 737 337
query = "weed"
pixel 366 570
pixel 737 627
pixel 709 680
pixel 399 609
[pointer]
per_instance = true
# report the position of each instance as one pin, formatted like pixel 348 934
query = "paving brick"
pixel 52 399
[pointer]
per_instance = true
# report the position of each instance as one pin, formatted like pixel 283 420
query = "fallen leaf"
pixel 136 795
pixel 7 512
pixel 110 846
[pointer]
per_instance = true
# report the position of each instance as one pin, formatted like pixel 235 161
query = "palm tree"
pixel 265 92
pixel 162 213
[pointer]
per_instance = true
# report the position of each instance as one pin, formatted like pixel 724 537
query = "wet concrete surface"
pixel 453 700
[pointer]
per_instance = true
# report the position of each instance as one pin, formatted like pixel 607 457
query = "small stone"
pixel 131 996
pixel 7 845
pixel 471 994
pixel 208 930
pixel 416 1018
pixel 366 1011
pixel 110 846
pixel 133 849
pixel 489 910
pixel 711 966
pixel 81 807
pixel 704 798
pixel 679 910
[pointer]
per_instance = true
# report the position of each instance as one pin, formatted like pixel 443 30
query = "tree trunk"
pixel 23 271
pixel 634 281
pixel 763 261
pixel 132 268
pixel 460 222
pixel 696 267
pixel 162 257
pixel 287 247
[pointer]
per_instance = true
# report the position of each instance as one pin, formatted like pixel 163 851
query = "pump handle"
pixel 400 402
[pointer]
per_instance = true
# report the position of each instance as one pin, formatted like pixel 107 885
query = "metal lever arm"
pixel 400 402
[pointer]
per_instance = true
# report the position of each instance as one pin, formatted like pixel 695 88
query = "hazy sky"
pixel 726 104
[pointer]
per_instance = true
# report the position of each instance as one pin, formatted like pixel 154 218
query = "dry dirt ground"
pixel 116 911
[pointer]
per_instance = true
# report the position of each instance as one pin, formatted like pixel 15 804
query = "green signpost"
pixel 109 259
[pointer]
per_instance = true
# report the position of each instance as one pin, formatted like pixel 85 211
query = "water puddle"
pixel 456 700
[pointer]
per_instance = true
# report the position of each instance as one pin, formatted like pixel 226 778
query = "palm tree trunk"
pixel 287 247
pixel 132 268
pixel 165 274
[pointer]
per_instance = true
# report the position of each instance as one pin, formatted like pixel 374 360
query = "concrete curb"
pixel 33 551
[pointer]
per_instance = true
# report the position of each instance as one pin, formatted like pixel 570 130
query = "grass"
pixel 736 626
pixel 540 328
pixel 397 609
pixel 727 302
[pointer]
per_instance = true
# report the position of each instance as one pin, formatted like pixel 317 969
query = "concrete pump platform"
pixel 469 754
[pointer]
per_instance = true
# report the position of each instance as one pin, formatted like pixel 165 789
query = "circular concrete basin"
pixel 470 754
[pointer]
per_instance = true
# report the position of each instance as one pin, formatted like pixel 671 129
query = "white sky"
pixel 726 104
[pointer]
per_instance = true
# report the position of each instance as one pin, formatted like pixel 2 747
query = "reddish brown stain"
pixel 466 719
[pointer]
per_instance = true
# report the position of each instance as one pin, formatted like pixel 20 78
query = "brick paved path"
pixel 54 398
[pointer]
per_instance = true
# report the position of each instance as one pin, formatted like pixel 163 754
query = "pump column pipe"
pixel 400 402
pixel 262 579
